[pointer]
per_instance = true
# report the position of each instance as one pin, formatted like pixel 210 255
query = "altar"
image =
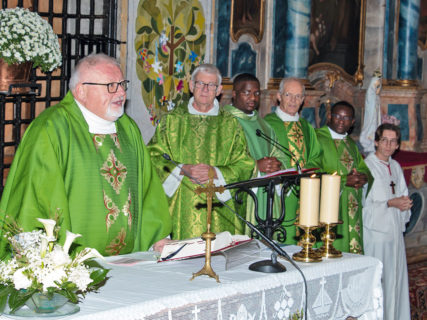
pixel 350 286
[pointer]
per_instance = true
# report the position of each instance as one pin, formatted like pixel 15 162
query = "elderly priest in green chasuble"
pixel 298 136
pixel 199 135
pixel 86 159
pixel 246 96
pixel 340 154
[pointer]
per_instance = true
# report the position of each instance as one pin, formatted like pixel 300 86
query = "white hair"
pixel 285 81
pixel 207 68
pixel 89 61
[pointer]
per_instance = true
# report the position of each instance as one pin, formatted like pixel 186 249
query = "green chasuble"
pixel 341 156
pixel 104 185
pixel 258 148
pixel 300 138
pixel 192 139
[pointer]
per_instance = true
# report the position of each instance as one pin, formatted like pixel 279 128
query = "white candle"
pixel 330 198
pixel 309 202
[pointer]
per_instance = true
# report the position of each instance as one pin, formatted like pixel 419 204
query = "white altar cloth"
pixel 337 288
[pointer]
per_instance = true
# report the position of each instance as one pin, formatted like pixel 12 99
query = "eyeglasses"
pixel 201 85
pixel 112 87
pixel 391 142
pixel 340 117
pixel 248 93
pixel 290 96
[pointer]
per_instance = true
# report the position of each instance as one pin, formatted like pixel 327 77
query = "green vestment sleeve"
pixel 218 141
pixel 58 165
pixel 342 156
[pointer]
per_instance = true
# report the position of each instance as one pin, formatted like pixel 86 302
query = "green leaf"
pixel 98 276
pixel 200 40
pixel 144 29
pixel 154 25
pixel 18 298
pixel 148 85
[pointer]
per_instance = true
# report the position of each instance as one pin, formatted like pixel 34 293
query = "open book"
pixel 195 247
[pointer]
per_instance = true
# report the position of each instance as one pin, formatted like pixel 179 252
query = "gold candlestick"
pixel 328 238
pixel 307 254
pixel 208 236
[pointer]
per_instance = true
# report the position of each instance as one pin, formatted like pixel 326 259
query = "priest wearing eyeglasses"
pixel 86 159
pixel 198 135
pixel 246 97
pixel 297 135
pixel 341 155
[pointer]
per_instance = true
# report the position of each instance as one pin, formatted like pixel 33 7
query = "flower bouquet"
pixel 41 273
pixel 25 36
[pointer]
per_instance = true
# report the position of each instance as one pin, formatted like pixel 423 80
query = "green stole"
pixel 191 139
pixel 342 156
pixel 300 138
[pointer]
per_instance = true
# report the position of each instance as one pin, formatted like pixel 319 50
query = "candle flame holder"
pixel 307 254
pixel 328 238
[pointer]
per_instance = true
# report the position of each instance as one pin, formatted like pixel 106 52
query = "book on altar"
pixel 196 247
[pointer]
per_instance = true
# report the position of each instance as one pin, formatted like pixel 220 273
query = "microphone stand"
pixel 282 148
pixel 266 266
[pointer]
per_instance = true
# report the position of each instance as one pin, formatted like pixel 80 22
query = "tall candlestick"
pixel 309 202
pixel 330 198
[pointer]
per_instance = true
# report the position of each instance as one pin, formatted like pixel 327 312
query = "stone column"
pixel 298 40
pixel 408 37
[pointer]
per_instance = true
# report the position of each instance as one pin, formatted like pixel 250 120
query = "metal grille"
pixel 82 26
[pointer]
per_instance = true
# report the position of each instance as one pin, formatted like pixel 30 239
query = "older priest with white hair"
pixel 198 135
pixel 87 158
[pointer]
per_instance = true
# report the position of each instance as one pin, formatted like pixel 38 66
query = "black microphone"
pixel 282 148
pixel 270 242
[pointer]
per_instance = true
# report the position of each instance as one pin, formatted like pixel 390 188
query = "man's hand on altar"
pixel 268 164
pixel 402 203
pixel 158 246
pixel 197 171
pixel 356 179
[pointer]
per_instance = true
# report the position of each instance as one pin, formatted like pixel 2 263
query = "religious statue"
pixel 372 115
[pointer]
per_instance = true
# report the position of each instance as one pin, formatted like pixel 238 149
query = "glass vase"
pixel 41 303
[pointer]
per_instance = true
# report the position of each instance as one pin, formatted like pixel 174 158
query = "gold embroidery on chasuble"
pixel 117 243
pixel 296 141
pixel 98 139
pixel 346 159
pixel 115 139
pixel 353 205
pixel 355 246
pixel 114 171
pixel 126 209
pixel 113 211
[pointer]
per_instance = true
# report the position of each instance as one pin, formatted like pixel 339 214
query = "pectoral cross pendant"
pixel 392 184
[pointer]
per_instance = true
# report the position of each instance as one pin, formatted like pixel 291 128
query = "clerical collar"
pixel 286 117
pixel 212 112
pixel 336 135
pixel 97 124
pixel 250 115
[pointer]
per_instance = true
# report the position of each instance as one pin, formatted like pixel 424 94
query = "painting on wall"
pixel 247 17
pixel 336 34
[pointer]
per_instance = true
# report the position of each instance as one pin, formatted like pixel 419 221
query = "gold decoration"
pixel 208 236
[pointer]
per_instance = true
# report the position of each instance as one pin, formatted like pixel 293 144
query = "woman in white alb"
pixel 385 213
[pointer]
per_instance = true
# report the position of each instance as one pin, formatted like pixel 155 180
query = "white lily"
pixel 49 225
pixel 43 245
pixel 70 237
pixel 88 253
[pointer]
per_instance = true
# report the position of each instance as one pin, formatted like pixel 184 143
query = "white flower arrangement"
pixel 25 36
pixel 40 265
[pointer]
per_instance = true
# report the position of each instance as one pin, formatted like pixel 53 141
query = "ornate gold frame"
pixel 246 29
